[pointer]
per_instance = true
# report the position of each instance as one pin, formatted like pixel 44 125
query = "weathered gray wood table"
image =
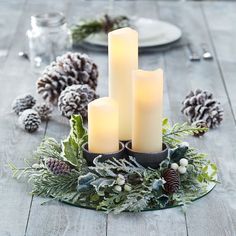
pixel 212 23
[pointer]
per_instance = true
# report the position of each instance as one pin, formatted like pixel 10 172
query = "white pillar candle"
pixel 147 111
pixel 123 59
pixel 103 135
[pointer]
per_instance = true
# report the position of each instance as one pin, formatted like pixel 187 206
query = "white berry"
pixel 174 166
pixel 117 188
pixel 127 188
pixel 184 144
pixel 182 169
pixel 183 162
pixel 120 180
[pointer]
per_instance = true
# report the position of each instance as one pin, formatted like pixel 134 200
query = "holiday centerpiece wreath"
pixel 60 171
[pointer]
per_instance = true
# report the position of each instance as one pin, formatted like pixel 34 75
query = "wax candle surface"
pixel 123 59
pixel 147 111
pixel 103 134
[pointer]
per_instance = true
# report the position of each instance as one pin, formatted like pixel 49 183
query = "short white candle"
pixel 103 134
pixel 123 59
pixel 147 111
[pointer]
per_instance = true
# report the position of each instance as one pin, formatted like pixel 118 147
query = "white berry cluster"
pixel 120 184
pixel 182 167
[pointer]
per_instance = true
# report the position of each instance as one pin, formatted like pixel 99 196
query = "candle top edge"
pixel 102 101
pixel 139 72
pixel 121 31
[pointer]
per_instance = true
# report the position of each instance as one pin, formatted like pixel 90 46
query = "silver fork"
pixel 193 56
pixel 206 53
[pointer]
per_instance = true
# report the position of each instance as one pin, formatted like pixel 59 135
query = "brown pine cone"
pixel 58 167
pixel 172 181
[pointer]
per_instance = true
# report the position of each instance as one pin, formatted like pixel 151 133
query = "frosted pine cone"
pixel 69 69
pixel 58 167
pixel 200 124
pixel 74 100
pixel 200 105
pixel 44 110
pixel 29 120
pixel 172 181
pixel 22 103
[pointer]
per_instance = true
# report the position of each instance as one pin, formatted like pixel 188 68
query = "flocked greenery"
pixel 104 24
pixel 117 185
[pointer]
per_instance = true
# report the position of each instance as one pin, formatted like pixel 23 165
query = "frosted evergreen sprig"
pixel 172 134
pixel 104 24
pixel 116 185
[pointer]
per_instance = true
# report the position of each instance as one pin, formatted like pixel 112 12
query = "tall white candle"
pixel 103 135
pixel 123 59
pixel 147 111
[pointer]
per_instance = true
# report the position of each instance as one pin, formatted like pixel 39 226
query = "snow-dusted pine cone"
pixel 172 179
pixel 200 105
pixel 200 124
pixel 70 68
pixel 22 103
pixel 58 167
pixel 75 99
pixel 29 120
pixel 44 110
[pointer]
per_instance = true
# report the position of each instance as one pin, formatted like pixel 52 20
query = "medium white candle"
pixel 147 111
pixel 123 59
pixel 103 135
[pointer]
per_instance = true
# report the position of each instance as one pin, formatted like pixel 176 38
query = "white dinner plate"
pixel 151 33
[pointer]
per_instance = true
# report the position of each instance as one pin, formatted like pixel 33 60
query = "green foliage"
pixel 117 185
pixel 86 28
pixel 49 147
pixel 46 184
pixel 71 147
pixel 172 134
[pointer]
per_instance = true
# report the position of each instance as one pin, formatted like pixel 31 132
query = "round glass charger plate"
pixel 209 188
pixel 152 33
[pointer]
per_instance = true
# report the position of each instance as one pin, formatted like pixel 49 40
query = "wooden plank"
pixel 167 222
pixel 16 144
pixel 221 20
pixel 214 214
pixel 10 13
pixel 65 219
